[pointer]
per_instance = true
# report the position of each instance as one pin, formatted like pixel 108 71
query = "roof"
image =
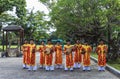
pixel 12 28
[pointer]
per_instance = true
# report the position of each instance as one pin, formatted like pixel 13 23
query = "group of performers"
pixel 51 56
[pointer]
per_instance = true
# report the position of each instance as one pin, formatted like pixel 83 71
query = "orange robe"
pixel 101 51
pixel 58 54
pixel 32 57
pixel 42 54
pixel 69 57
pixel 25 49
pixel 86 56
pixel 78 55
pixel 49 57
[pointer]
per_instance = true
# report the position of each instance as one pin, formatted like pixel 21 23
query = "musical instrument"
pixel 83 51
pixel 69 50
pixel 47 51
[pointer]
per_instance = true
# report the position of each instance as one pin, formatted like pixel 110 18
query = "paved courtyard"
pixel 11 68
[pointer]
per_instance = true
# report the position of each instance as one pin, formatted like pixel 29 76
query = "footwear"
pixel 34 68
pixel 103 68
pixel 75 65
pixel 47 68
pixel 100 68
pixel 24 67
pixel 84 68
pixel 79 65
pixel 88 68
pixel 66 69
pixel 30 68
pixel 40 67
pixel 71 69
pixel 51 68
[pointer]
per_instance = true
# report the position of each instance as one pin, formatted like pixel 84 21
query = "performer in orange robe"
pixel 25 49
pixel 68 57
pixel 77 54
pixel 101 50
pixel 32 56
pixel 49 57
pixel 58 55
pixel 86 57
pixel 42 54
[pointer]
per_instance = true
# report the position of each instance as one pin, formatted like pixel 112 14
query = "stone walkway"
pixel 11 68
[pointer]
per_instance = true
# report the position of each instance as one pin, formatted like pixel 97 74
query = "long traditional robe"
pixel 42 54
pixel 69 57
pixel 25 49
pixel 32 57
pixel 101 51
pixel 86 55
pixel 77 53
pixel 49 57
pixel 58 55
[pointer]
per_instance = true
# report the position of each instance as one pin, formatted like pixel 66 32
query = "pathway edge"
pixel 108 67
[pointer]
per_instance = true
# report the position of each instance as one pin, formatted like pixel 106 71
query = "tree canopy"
pixel 34 24
pixel 84 18
pixel 87 20
pixel 90 20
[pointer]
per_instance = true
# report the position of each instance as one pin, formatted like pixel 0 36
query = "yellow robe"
pixel 49 57
pixel 25 49
pixel 78 55
pixel 69 57
pixel 42 54
pixel 32 56
pixel 86 56
pixel 58 54
pixel 101 51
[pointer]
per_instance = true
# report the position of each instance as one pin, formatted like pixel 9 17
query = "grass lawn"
pixel 1 47
pixel 13 46
pixel 115 64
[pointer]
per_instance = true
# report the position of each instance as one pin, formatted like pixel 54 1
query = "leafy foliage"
pixel 90 20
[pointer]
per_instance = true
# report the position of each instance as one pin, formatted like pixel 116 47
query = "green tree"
pixel 8 5
pixel 35 25
pixel 90 20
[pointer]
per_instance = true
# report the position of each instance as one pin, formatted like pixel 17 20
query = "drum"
pixel 47 51
pixel 68 51
pixel 83 51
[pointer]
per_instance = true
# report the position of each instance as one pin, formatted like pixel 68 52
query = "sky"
pixel 30 4
pixel 36 5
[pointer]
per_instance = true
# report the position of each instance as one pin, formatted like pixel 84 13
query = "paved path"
pixel 11 68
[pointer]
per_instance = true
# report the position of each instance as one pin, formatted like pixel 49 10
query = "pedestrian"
pixel 87 49
pixel 25 50
pixel 58 55
pixel 101 51
pixel 32 56
pixel 68 51
pixel 49 65
pixel 41 49
pixel 77 54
